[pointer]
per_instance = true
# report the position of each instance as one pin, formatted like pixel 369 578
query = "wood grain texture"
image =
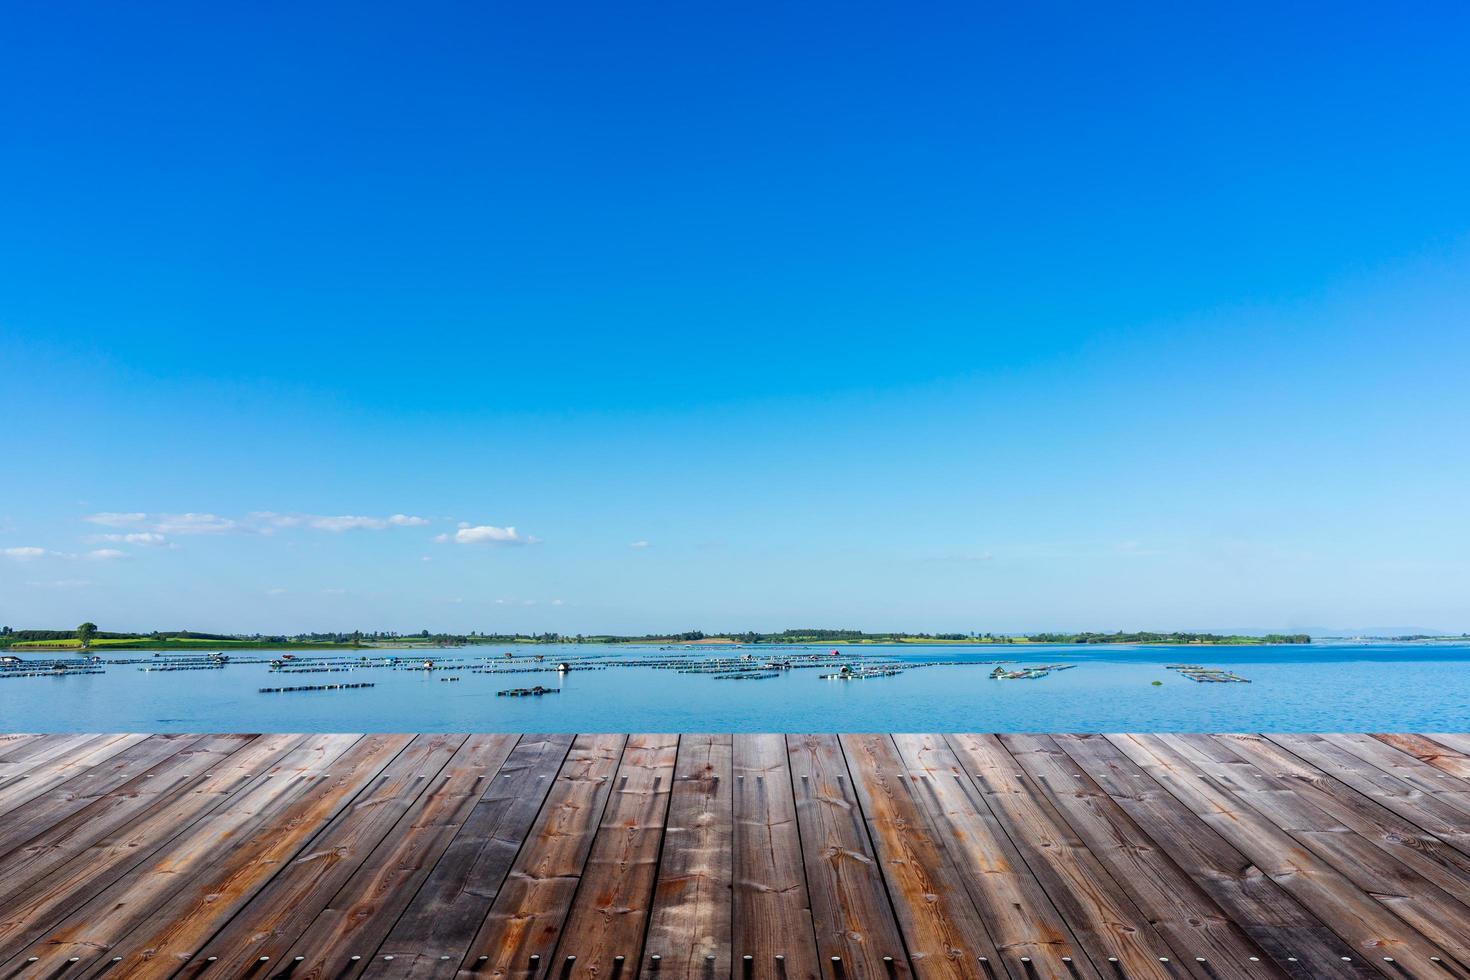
pixel 746 857
pixel 690 918
pixel 771 919
pixel 857 933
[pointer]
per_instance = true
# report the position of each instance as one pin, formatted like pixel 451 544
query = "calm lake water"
pixel 1352 687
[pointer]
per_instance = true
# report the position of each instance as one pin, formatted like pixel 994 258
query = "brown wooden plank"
pixel 1431 752
pixel 771 915
pixel 282 910
pixel 1459 741
pixel 1435 813
pixel 50 808
pixel 689 920
pixel 366 907
pixel 1295 939
pixel 172 935
pixel 609 913
pixel 852 915
pixel 29 751
pixel 1028 931
pixel 1420 774
pixel 1416 900
pixel 62 869
pixel 432 936
pixel 38 779
pixel 1402 839
pixel 1177 907
pixel 1370 927
pixel 90 931
pixel 1101 915
pixel 945 936
pixel 527 915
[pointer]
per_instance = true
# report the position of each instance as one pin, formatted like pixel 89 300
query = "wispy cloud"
pixel 638 544
pixel 190 523
pixel 256 522
pixel 26 553
pixel 61 583
pixel 335 523
pixel 105 554
pixel 147 538
pixel 486 534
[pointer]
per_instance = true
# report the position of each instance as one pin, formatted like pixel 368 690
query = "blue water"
pixel 1345 687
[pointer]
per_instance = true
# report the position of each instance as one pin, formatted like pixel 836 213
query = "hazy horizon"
pixel 585 319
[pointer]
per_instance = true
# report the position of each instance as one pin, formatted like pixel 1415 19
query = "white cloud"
pixel 334 591
pixel 557 602
pixel 276 591
pixel 106 554
pixel 486 534
pixel 189 523
pixel 148 538
pixel 638 544
pixel 25 553
pixel 61 583
pixel 256 522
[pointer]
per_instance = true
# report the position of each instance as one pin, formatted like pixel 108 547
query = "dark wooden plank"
pixel 527 915
pixel 609 913
pixel 90 931
pixel 62 869
pixel 1294 938
pixel 1359 918
pixel 29 751
pixel 690 917
pixel 283 910
pixel 1420 774
pixel 434 933
pixel 172 935
pixel 1099 912
pixel 1402 839
pixel 1179 908
pixel 1413 898
pixel 771 915
pixel 363 911
pixel 37 778
pixel 146 760
pixel 1029 933
pixel 853 917
pixel 944 934
pixel 1435 813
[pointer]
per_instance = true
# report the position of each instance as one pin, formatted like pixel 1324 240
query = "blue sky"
pixel 740 317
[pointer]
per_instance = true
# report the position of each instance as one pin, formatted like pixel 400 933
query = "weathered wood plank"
pixel 1295 939
pixel 526 918
pixel 62 869
pixel 1435 813
pixel 40 778
pixel 771 915
pixel 367 906
pixel 945 936
pixel 432 936
pixel 1396 836
pixel 1431 752
pixel 1178 907
pixel 91 931
pixel 1028 931
pixel 609 913
pixel 1420 774
pixel 1416 900
pixel 851 912
pixel 287 905
pixel 53 806
pixel 157 947
pixel 1101 915
pixel 1370 927
pixel 690 917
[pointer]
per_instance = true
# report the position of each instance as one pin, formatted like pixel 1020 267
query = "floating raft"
pixel 313 687
pixel 1207 675
pixel 527 692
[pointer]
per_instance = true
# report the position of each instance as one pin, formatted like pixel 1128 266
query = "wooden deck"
pixel 745 857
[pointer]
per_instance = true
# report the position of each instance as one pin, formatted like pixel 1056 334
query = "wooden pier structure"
pixel 735 857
